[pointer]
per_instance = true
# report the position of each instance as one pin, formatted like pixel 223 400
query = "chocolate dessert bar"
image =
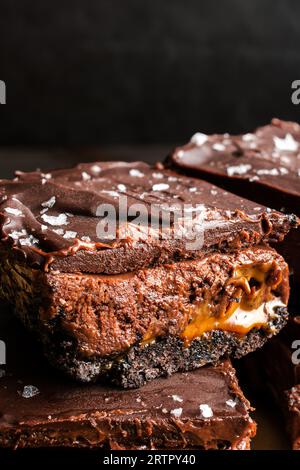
pixel 281 372
pixel 263 165
pixel 203 409
pixel 144 302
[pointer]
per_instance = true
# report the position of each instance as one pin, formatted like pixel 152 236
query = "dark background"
pixel 115 72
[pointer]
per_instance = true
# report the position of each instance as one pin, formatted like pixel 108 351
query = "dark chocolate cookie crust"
pixel 163 357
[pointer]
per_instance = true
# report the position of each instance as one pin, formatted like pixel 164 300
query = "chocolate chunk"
pixel 204 409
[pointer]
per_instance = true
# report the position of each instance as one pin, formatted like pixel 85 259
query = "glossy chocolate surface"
pixel 268 158
pixel 50 220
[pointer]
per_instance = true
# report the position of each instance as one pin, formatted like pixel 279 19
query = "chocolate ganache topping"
pixel 51 219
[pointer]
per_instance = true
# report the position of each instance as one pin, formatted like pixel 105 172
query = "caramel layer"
pixel 250 306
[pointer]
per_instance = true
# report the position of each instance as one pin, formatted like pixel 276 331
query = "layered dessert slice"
pixel 203 409
pixel 163 293
pixel 281 374
pixel 263 165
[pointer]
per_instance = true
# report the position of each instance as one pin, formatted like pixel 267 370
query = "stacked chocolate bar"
pixel 264 165
pixel 128 273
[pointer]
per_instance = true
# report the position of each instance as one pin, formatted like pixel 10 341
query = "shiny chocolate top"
pixel 269 157
pixel 51 220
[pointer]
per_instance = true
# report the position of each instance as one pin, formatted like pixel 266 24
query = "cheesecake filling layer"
pixel 106 315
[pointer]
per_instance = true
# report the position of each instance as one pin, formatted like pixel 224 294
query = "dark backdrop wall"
pixel 144 71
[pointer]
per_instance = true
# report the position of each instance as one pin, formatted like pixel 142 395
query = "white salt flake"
pixel 177 398
pixel 30 391
pixel 213 192
pixel 96 168
pixel 157 175
pixel 172 179
pixel 164 410
pixel 50 203
pixel 13 211
pixel 46 176
pixel 70 234
pixel 111 193
pixel 59 231
pixel 30 240
pixel 288 143
pixel 15 234
pixel 266 171
pixel 192 190
pixel 44 227
pixel 136 173
pixel 199 139
pixel 206 411
pixel 231 403
pixel 238 169
pixel 85 176
pixel 85 239
pixel 43 211
pixel 160 187
pixel 60 219
pixel 248 137
pixel 121 187
pixel 218 147
pixel 177 412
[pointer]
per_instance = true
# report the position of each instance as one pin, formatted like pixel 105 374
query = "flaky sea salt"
pixel 231 403
pixel 85 239
pixel 50 203
pixel 59 231
pixel 13 211
pixel 238 169
pixel 96 168
pixel 199 139
pixel 177 398
pixel 160 187
pixel 288 143
pixel 47 176
pixel 15 234
pixel 70 234
pixel 30 240
pixel 248 137
pixel 136 173
pixel 206 410
pixel 177 412
pixel 218 147
pixel 157 175
pixel 111 193
pixel 60 219
pixel 121 187
pixel 85 176
pixel 30 391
